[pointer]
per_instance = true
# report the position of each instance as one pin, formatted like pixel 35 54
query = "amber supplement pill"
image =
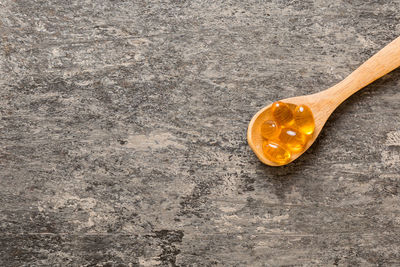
pixel 269 129
pixel 282 113
pixel 304 119
pixel 292 139
pixel 276 153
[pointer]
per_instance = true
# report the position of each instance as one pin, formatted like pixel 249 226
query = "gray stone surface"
pixel 123 134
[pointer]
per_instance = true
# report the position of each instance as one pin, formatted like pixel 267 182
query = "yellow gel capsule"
pixel 282 113
pixel 304 119
pixel 276 153
pixel 292 139
pixel 269 129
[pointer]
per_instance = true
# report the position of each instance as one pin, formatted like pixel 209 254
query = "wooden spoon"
pixel 322 104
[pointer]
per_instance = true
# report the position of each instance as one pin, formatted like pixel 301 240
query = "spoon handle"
pixel 383 62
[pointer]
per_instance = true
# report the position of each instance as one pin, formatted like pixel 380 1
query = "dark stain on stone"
pixel 122 142
pixel 194 203
pixel 168 240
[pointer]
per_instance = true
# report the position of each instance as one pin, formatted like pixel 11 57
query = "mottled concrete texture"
pixel 123 134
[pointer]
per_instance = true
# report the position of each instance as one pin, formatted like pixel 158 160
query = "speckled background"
pixel 123 134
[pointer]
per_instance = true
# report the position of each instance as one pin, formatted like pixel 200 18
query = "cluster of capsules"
pixel 287 132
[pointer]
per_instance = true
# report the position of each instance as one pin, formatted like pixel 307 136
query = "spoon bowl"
pixel 255 139
pixel 323 103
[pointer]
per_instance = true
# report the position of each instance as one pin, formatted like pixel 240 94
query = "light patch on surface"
pixel 280 218
pixel 153 141
pixel 149 262
pixel 229 221
pixel 393 138
pixel 68 200
pixel 56 52
pixel 361 188
pixel 40 27
pixel 87 216
pixel 227 209
pixel 391 157
pixel 391 204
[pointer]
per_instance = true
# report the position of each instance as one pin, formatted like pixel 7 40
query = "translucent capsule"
pixel 286 131
pixel 282 113
pixel 292 139
pixel 276 153
pixel 304 119
pixel 269 129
